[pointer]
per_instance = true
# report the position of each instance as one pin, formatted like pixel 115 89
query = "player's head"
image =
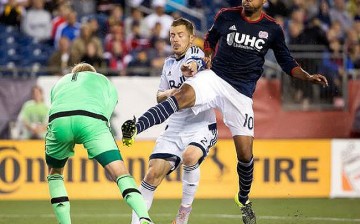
pixel 83 67
pixel 252 6
pixel 181 35
pixel 37 94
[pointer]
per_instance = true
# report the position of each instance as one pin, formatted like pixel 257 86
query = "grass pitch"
pixel 209 211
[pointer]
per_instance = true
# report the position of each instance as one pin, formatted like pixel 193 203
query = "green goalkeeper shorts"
pixel 64 132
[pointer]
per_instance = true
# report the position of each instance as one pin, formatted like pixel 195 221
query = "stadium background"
pixel 306 136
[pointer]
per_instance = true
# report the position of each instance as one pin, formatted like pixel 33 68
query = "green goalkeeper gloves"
pixel 129 132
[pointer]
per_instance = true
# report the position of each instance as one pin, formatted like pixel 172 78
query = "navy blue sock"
pixel 157 114
pixel 245 171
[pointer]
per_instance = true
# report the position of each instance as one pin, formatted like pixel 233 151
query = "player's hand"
pixel 129 131
pixel 207 61
pixel 319 79
pixel 189 69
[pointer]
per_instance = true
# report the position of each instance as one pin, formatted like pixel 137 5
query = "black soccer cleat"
pixel 248 215
pixel 129 131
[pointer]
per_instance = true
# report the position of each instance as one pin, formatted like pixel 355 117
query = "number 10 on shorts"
pixel 249 122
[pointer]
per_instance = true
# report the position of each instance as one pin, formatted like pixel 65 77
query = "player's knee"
pixel 185 97
pixel 243 145
pixel 53 171
pixel 244 154
pixel 189 158
pixel 153 176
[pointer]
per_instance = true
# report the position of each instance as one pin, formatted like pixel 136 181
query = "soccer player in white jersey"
pixel 187 137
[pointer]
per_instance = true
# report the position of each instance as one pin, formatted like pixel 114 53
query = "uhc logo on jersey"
pixel 246 41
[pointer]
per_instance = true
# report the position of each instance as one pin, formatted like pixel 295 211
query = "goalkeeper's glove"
pixel 129 132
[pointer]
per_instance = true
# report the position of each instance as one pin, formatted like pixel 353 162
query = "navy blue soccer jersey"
pixel 240 46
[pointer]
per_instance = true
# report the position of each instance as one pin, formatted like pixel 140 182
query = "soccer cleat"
pixel 182 216
pixel 128 129
pixel 248 215
pixel 145 221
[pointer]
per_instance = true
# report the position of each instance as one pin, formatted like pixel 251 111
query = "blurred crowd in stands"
pixel 116 34
pixel 331 30
pixel 57 34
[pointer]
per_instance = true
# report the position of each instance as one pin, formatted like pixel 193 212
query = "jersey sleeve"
pixel 195 54
pixel 282 53
pixel 164 85
pixel 213 34
pixel 52 95
pixel 113 95
pixel 113 98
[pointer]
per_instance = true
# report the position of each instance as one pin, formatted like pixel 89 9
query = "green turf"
pixel 269 211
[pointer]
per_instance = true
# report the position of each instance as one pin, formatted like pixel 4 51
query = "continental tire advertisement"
pixel 290 168
pixel 345 178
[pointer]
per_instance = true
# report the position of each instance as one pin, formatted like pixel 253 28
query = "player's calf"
pixel 59 198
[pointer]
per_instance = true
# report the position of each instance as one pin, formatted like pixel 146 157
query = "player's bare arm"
pixel 300 73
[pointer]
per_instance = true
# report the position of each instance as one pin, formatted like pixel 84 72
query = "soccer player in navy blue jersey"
pixel 235 47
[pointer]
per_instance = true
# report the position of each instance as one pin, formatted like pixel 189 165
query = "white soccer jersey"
pixel 172 77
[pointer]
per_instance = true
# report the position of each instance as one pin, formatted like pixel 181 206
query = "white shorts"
pixel 170 145
pixel 214 92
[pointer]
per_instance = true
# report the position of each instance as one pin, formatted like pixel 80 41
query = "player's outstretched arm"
pixel 299 73
pixel 318 79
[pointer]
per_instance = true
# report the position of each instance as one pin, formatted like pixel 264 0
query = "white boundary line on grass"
pixel 284 218
pixel 223 216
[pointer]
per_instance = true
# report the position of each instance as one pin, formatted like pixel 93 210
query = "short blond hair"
pixel 190 27
pixel 83 67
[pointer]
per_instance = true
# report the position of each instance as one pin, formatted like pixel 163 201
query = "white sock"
pixel 191 178
pixel 147 192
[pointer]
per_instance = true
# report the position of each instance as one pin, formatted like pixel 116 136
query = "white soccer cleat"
pixel 182 216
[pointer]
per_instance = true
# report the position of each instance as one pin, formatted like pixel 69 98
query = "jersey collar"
pixel 250 21
pixel 179 59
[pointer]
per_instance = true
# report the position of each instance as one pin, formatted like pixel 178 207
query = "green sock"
pixel 132 195
pixel 59 198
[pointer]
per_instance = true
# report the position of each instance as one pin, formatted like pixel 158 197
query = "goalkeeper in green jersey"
pixel 81 105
